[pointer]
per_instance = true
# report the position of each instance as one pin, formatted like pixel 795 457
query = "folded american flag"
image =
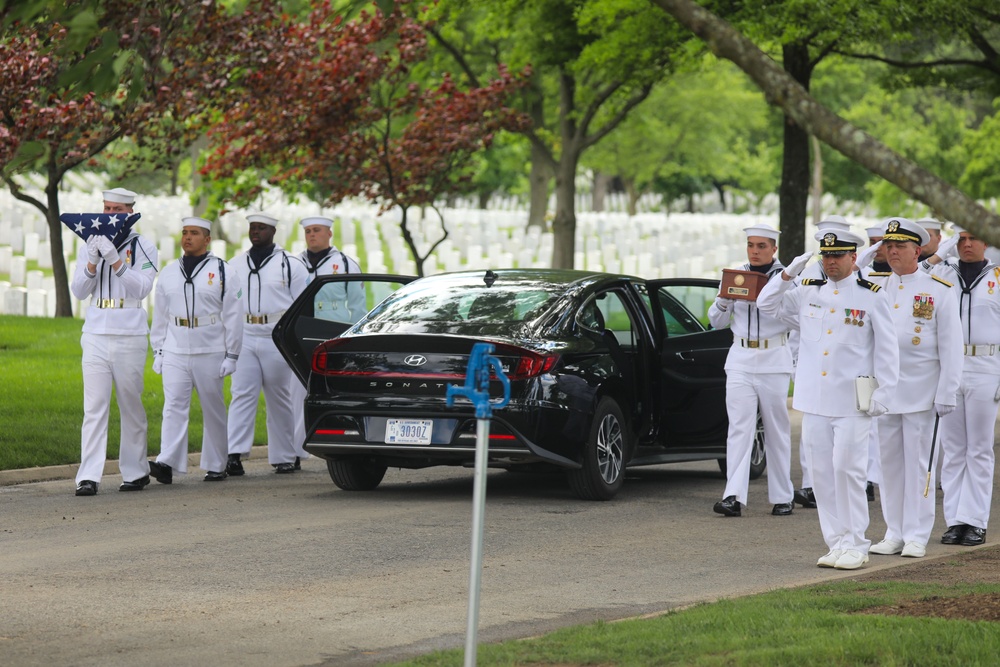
pixel 86 225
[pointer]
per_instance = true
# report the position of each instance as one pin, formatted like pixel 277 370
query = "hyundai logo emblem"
pixel 415 360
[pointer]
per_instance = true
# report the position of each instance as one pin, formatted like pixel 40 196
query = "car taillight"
pixel 525 364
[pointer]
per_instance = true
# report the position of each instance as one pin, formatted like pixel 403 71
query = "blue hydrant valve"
pixel 477 382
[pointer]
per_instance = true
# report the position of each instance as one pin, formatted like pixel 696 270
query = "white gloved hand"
pixel 228 367
pixel 947 247
pixel 795 267
pixel 867 256
pixel 93 251
pixel 158 361
pixel 108 250
pixel 941 409
pixel 876 409
pixel 723 304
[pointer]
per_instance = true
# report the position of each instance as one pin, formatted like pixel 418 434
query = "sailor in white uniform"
pixel 271 280
pixel 118 274
pixel 928 328
pixel 967 433
pixel 341 302
pixel 845 331
pixel 758 369
pixel 197 335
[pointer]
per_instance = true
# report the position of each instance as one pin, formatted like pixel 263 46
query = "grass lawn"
pixel 41 396
pixel 818 625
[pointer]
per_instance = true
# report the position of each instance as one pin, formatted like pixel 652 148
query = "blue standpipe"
pixel 477 390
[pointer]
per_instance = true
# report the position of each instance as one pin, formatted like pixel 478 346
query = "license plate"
pixel 408 431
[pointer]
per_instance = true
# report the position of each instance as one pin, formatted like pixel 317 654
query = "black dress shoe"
pixel 298 463
pixel 728 506
pixel 783 509
pixel 234 468
pixel 973 537
pixel 284 468
pixel 211 476
pixel 870 492
pixel 163 473
pixel 86 488
pixel 137 485
pixel 954 534
pixel 805 497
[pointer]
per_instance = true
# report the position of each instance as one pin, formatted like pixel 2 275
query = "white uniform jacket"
pixel 269 290
pixel 979 305
pixel 845 331
pixel 925 312
pixel 199 313
pixel 342 302
pixel 116 307
pixel 760 341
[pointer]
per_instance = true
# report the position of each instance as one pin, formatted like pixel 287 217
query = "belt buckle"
pixel 753 344
pixel 183 322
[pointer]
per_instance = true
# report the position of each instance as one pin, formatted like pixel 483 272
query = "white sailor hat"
pixel 316 220
pixel 762 229
pixel 904 229
pixel 930 223
pixel 196 222
pixel 875 232
pixel 264 218
pixel 838 242
pixel 120 196
pixel 834 222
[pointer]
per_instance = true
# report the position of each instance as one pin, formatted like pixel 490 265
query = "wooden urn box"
pixel 743 285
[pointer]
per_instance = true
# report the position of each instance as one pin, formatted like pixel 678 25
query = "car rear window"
pixel 461 303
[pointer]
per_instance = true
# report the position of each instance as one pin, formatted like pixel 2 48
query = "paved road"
pixel 288 570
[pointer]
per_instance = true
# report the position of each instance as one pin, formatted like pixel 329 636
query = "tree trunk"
pixel 597 196
pixel 721 190
pixel 539 179
pixel 782 90
pixel 564 223
pixel 64 307
pixel 793 195
pixel 817 181
pixel 633 195
pixel 484 200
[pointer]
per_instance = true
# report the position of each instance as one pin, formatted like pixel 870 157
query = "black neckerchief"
pixel 191 262
pixel 881 267
pixel 259 254
pixel 969 271
pixel 317 257
pixel 763 268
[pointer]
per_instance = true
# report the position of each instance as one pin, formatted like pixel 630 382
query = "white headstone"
pixel 6 254
pixel 18 269
pixel 15 301
pixel 4 286
pixel 31 241
pixel 219 249
pixel 45 255
pixel 33 280
pixel 35 303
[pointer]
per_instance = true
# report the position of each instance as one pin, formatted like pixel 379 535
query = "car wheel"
pixel 602 472
pixel 758 460
pixel 356 474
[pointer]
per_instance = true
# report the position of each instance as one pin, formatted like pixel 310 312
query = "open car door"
pixel 692 383
pixel 321 313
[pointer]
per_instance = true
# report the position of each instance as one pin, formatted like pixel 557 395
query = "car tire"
pixel 356 474
pixel 603 463
pixel 758 457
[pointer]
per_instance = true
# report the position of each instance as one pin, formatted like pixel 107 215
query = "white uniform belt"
pixel 196 321
pixel 764 343
pixel 981 350
pixel 270 318
pixel 117 303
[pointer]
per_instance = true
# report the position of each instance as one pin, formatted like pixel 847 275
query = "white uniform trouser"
pixel 838 456
pixel 182 374
pixel 744 392
pixel 967 450
pixel 874 455
pixel 299 392
pixel 261 366
pixel 807 478
pixel 905 443
pixel 118 361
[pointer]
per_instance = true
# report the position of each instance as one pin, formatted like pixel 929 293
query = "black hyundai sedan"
pixel 605 371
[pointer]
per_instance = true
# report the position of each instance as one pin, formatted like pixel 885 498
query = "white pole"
pixel 478 510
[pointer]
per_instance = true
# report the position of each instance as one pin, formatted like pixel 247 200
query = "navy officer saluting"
pixel 845 331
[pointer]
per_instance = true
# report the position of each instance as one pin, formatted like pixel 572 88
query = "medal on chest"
pixel 923 306
pixel 854 317
pixel 211 277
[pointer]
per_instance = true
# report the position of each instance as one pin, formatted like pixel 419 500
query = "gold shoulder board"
pixel 942 281
pixel 814 282
pixel 869 285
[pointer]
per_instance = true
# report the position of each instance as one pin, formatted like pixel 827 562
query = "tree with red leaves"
pixel 147 70
pixel 337 109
